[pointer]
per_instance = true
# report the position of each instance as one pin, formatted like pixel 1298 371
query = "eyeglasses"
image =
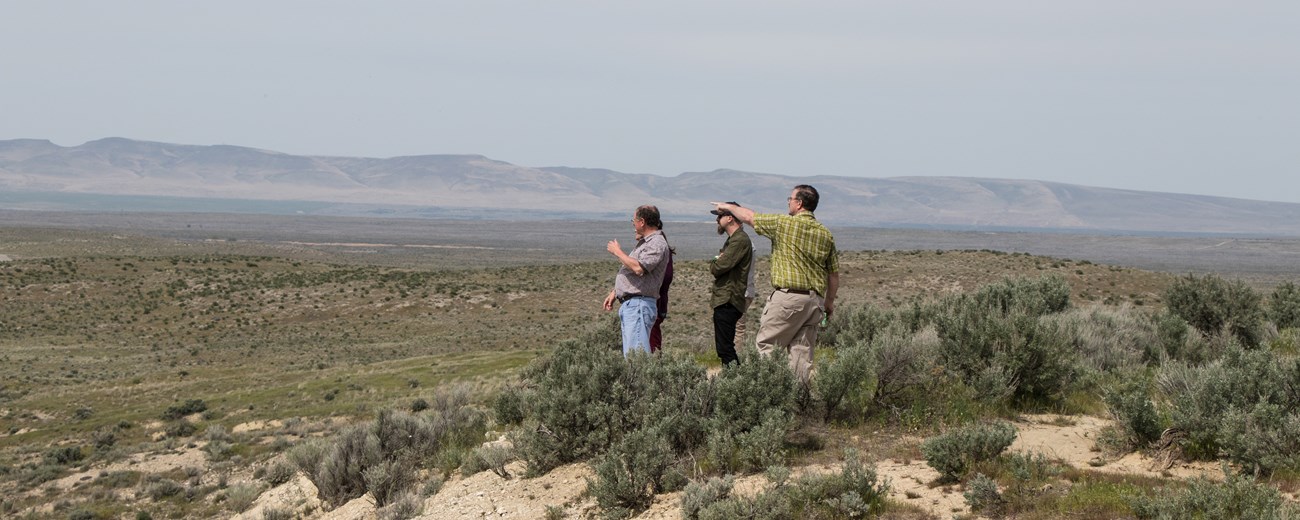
pixel 788 199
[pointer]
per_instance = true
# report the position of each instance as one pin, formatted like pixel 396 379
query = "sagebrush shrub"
pixel 306 456
pixel 629 474
pixel 762 446
pixel 754 405
pixel 1034 297
pixel 672 394
pixel 1130 404
pixel 1213 305
pixel 1284 306
pixel 490 457
pixel 576 410
pixel 163 489
pixel 699 495
pixel 341 474
pixel 982 494
pixel 1238 496
pixel 1109 338
pixel 854 492
pixel 1173 337
pixel 64 455
pixel 279 473
pixel 1202 398
pixel 856 324
pixel 178 411
pixel 386 480
pixel 402 507
pixel 1263 439
pixel 508 406
pixel 240 496
pixel 1031 357
pixel 954 453
pixel 902 362
pixel 382 453
pixel 846 379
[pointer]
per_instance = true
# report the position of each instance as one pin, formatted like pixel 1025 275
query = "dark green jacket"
pixel 731 270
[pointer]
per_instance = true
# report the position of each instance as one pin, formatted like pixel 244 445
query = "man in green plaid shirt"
pixel 805 276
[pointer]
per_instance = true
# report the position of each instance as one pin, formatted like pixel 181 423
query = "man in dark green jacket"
pixel 730 276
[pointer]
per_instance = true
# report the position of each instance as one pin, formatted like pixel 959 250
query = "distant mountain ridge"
pixel 474 183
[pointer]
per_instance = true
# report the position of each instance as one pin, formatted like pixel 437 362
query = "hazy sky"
pixel 1186 96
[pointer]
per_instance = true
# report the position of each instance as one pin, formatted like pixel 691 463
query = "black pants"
pixel 725 317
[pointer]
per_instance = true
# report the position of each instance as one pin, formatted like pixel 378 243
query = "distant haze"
pixel 1181 96
pixel 37 174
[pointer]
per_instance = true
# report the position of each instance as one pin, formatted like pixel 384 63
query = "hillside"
pixel 178 379
pixel 480 187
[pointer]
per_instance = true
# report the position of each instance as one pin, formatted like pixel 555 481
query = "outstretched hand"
pixel 613 247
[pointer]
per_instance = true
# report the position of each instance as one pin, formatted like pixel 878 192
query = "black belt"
pixel 627 297
pixel 795 291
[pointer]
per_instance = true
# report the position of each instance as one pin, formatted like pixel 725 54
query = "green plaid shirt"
pixel 803 250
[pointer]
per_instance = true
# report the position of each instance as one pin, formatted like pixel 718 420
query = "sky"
pixel 1184 96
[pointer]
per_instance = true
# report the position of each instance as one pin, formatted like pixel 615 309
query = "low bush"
pixel 699 495
pixel 1109 338
pixel 954 453
pixel 847 379
pixel 982 495
pixel 64 455
pixel 492 457
pixel 163 489
pixel 1213 306
pixel 1241 406
pixel 903 362
pixel 240 497
pixel 189 407
pixel 754 406
pixel 508 406
pixel 389 479
pixel 856 324
pixel 630 474
pixel 402 507
pixel 1263 439
pixel 279 473
pixel 1018 354
pixel 381 456
pixel 1135 415
pixel 1033 297
pixel 854 492
pixel 577 408
pixel 1238 496
pixel 1284 306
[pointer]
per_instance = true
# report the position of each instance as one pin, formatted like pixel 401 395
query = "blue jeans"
pixel 637 315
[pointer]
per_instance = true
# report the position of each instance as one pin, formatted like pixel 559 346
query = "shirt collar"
pixel 647 236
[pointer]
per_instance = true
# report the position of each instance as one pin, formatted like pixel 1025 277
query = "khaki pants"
pixel 740 324
pixel 790 321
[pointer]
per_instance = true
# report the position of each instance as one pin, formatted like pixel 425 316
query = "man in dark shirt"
pixel 730 271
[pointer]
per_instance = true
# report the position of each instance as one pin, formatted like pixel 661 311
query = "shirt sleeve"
pixel 653 254
pixel 765 223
